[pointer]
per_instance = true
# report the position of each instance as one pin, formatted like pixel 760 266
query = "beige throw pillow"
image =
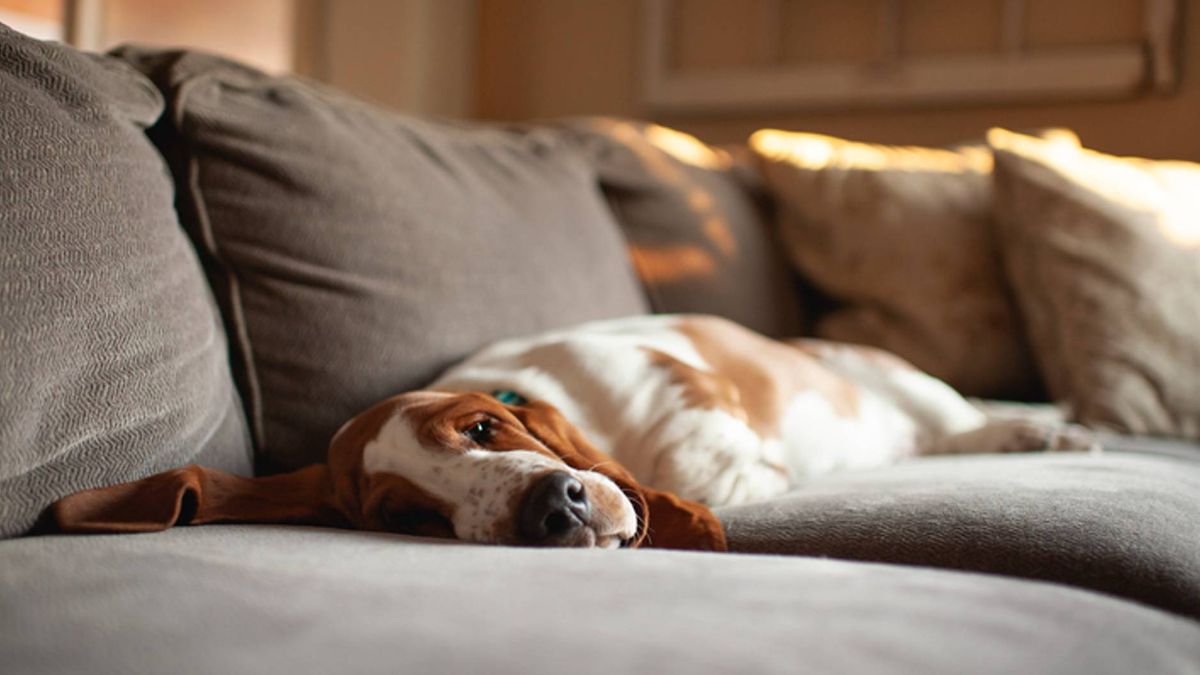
pixel 902 238
pixel 1103 253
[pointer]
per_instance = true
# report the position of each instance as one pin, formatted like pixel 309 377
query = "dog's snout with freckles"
pixel 582 509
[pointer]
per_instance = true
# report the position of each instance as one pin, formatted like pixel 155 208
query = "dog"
pixel 617 433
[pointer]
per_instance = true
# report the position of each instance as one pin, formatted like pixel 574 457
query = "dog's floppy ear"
pixel 664 520
pixel 194 495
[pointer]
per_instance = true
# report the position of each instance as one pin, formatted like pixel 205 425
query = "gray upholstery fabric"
pixel 698 232
pixel 226 599
pixel 112 360
pixel 357 253
pixel 1121 523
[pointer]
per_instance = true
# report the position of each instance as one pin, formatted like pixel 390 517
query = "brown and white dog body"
pixel 713 412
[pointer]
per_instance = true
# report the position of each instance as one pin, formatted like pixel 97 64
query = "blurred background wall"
pixel 525 59
pixel 547 58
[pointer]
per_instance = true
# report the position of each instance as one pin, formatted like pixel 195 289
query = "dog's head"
pixel 460 465
pixel 486 472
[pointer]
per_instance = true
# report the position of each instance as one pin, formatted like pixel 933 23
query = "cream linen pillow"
pixel 902 238
pixel 1103 254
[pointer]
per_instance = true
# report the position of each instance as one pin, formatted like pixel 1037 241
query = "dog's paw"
pixel 1049 437
pixel 1074 438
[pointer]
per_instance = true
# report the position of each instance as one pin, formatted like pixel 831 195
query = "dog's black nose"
pixel 554 508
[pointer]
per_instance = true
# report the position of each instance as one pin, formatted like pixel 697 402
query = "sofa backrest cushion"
pixel 697 221
pixel 113 362
pixel 357 252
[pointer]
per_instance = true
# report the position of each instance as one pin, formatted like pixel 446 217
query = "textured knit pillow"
pixel 357 252
pixel 112 360
pixel 698 233
pixel 902 238
pixel 1104 255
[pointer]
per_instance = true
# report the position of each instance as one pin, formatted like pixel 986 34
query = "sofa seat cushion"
pixel 356 252
pixel 235 599
pixel 1118 522
pixel 113 364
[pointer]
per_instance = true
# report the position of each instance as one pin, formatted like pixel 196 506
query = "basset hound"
pixel 613 433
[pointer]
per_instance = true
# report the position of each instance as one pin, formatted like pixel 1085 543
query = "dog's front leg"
pixel 1013 435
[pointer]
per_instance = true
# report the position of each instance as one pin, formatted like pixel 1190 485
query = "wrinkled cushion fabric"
pixel 901 238
pixel 1117 522
pixel 697 223
pixel 234 599
pixel 357 252
pixel 1103 254
pixel 112 359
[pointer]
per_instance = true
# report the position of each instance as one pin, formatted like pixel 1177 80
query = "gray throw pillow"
pixel 357 252
pixel 697 222
pixel 112 360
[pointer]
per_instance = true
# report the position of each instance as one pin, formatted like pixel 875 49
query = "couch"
pixel 206 264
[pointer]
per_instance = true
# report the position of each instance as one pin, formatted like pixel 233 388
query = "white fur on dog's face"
pixel 481 480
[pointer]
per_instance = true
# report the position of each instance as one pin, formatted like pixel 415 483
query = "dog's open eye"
pixel 481 431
